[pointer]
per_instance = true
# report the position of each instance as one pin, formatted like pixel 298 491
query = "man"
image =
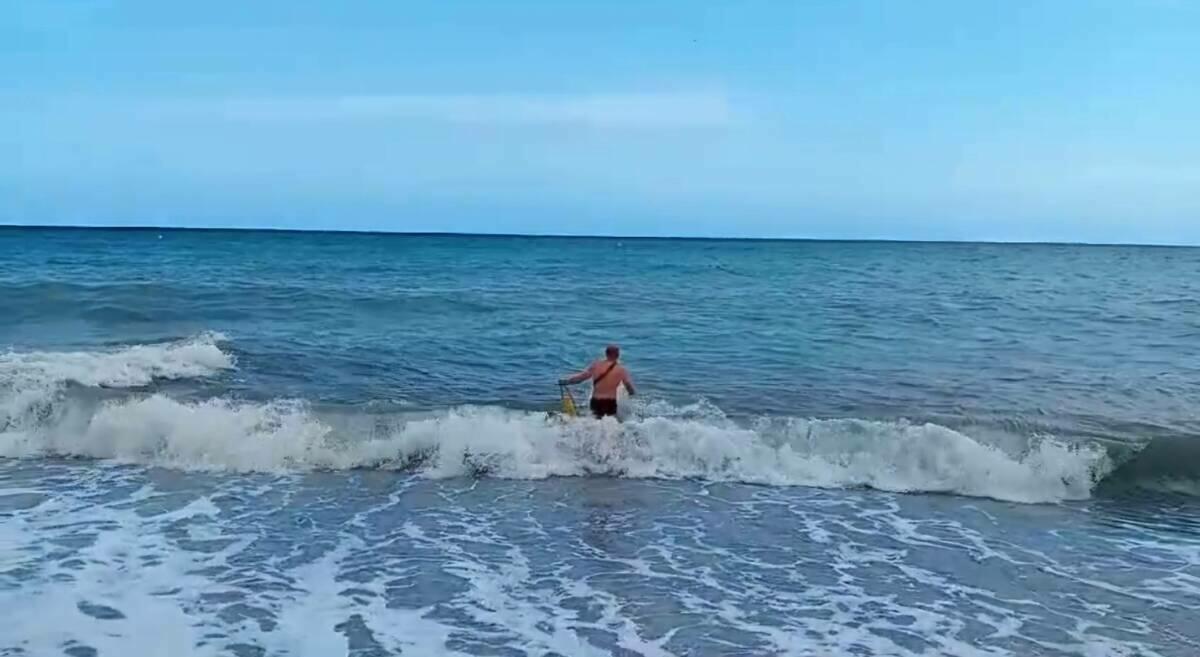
pixel 607 375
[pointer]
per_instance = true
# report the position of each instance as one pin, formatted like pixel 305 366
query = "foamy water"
pixel 125 560
pixel 659 441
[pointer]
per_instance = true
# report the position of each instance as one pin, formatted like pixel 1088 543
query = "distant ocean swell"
pixel 104 405
pixel 117 302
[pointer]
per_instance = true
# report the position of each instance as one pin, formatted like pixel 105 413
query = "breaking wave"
pixel 134 366
pixel 42 415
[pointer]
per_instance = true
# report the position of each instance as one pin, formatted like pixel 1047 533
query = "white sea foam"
pixel 310 566
pixel 137 365
pixel 32 384
pixel 225 435
pixel 115 587
pixel 698 441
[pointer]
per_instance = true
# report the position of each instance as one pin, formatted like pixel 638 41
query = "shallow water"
pixel 380 563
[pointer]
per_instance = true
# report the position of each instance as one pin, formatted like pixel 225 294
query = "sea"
pixel 311 444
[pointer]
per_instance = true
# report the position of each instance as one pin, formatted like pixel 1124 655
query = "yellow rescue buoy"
pixel 568 402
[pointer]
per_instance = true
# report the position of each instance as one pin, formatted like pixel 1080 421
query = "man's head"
pixel 612 352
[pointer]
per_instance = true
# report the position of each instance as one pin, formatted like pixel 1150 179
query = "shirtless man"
pixel 607 376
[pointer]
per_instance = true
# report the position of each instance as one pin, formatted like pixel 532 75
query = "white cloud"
pixel 601 110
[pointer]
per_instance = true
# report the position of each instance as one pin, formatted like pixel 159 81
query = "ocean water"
pixel 255 443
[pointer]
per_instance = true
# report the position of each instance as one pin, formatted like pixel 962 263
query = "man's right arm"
pixel 578 378
pixel 628 381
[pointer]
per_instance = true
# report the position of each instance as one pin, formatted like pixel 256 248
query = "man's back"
pixel 607 387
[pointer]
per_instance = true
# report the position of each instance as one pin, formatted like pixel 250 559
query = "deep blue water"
pixel 778 487
pixel 881 329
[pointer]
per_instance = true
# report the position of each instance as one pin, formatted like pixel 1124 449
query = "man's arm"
pixel 577 378
pixel 628 381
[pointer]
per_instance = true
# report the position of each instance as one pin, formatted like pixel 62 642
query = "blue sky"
pixel 993 120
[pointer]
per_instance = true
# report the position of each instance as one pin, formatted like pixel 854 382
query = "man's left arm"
pixel 628 381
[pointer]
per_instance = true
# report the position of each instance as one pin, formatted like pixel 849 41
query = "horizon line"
pixel 570 236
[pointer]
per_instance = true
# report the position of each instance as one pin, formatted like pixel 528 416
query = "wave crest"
pixel 43 414
pixel 33 385
pixel 470 441
pixel 133 366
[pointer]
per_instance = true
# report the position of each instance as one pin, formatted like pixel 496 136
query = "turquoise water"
pixel 314 443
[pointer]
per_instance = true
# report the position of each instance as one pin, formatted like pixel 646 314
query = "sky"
pixel 1061 120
